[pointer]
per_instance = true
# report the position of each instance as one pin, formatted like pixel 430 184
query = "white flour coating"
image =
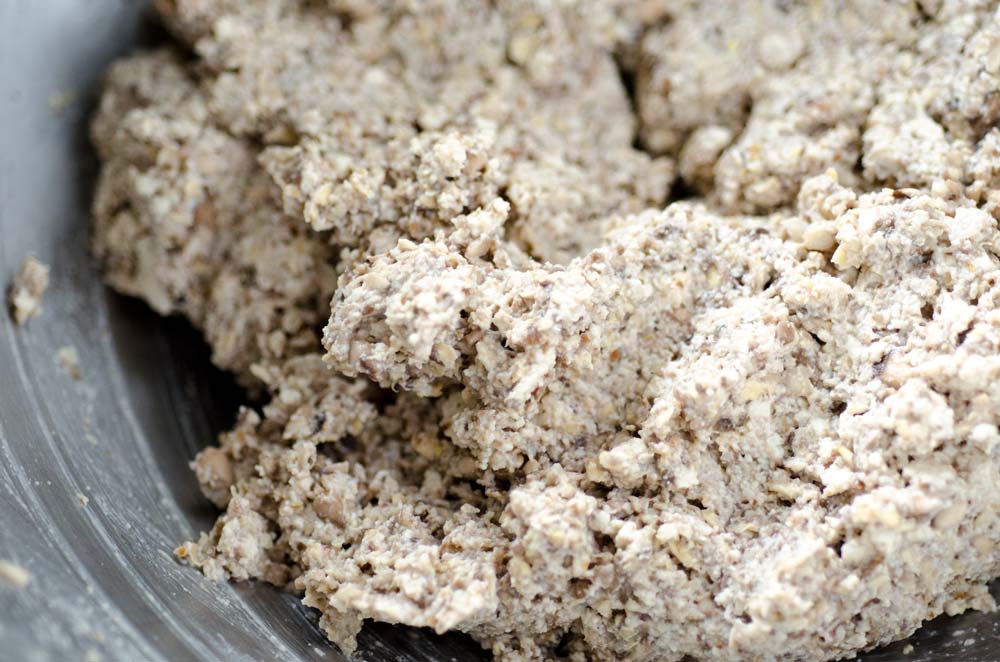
pixel 24 297
pixel 546 410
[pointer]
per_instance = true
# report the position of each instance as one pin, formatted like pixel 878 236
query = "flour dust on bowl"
pixel 498 380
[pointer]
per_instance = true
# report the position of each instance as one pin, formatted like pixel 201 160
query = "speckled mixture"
pixel 514 387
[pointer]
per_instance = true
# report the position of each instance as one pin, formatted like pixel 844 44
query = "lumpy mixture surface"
pixel 598 330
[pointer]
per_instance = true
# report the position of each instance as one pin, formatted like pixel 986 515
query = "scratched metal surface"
pixel 105 584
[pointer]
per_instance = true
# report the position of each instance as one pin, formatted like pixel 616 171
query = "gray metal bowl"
pixel 95 491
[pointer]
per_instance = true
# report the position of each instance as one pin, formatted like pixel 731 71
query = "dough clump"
pixel 514 386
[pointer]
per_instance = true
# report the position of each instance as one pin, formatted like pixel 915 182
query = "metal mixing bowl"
pixel 95 491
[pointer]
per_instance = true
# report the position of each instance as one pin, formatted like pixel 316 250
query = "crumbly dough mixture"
pixel 509 389
pixel 24 296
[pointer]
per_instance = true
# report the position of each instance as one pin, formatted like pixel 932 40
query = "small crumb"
pixel 14 575
pixel 971 641
pixel 90 438
pixel 60 100
pixel 84 499
pixel 25 295
pixel 92 656
pixel 908 649
pixel 69 361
